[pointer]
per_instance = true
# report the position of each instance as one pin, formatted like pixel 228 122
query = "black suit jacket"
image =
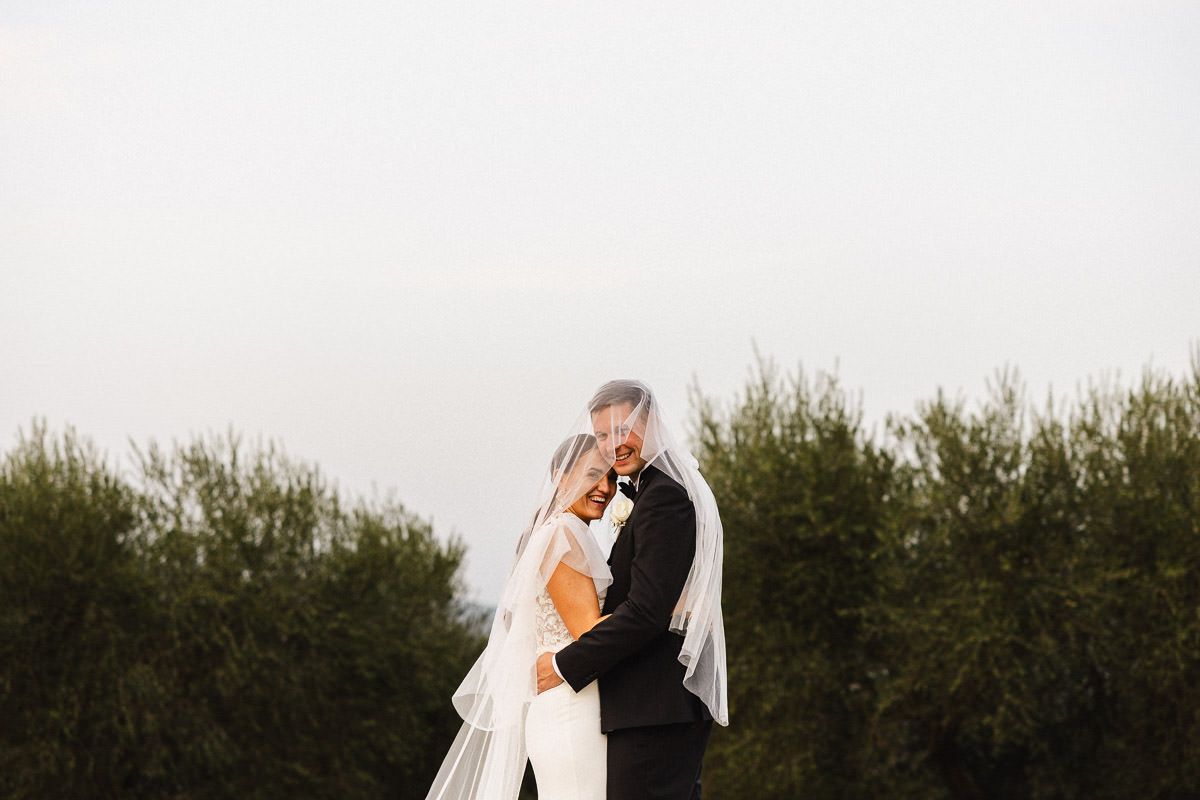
pixel 632 653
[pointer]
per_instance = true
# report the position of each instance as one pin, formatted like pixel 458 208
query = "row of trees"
pixel 994 602
pixel 987 603
pixel 217 626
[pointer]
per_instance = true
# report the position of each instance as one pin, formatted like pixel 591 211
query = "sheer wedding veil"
pixel 697 615
pixel 488 757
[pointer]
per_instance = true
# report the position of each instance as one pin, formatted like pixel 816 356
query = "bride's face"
pixel 592 470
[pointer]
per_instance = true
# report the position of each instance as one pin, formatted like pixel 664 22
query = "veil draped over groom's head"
pixel 625 411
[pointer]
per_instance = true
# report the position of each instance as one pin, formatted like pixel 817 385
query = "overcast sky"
pixel 407 240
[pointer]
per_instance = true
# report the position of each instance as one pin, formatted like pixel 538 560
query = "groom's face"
pixel 620 438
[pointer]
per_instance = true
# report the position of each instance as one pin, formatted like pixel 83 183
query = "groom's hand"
pixel 547 677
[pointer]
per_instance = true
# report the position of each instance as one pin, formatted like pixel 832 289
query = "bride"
pixel 553 594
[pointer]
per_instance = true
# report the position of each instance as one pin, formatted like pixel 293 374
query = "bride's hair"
pixel 565 457
pixel 569 452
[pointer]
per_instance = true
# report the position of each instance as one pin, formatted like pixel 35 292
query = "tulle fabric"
pixel 697 616
pixel 487 759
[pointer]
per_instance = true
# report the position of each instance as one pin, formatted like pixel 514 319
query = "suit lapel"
pixel 644 480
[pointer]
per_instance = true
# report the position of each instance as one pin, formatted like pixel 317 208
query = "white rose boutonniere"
pixel 622 507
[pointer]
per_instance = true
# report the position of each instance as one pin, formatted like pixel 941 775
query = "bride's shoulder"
pixel 566 521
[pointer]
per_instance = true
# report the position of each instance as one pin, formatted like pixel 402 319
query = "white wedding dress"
pixel 505 721
pixel 562 728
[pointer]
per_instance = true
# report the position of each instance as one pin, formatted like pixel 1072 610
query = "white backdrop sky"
pixel 407 239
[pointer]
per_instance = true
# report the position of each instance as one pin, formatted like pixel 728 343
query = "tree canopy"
pixel 988 603
pixel 998 601
pixel 218 626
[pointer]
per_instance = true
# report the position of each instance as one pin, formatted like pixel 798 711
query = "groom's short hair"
pixel 618 392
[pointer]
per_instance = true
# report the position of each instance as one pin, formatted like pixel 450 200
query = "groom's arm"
pixel 664 547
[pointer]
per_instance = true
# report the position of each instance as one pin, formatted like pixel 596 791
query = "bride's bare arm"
pixel 574 596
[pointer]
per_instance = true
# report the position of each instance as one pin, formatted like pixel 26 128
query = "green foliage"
pixel 73 604
pixel 982 625
pixel 222 628
pixel 994 604
pixel 802 504
pixel 1140 480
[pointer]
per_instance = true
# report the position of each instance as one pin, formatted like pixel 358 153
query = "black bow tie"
pixel 628 489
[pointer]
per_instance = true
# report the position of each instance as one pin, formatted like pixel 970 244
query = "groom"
pixel 656 729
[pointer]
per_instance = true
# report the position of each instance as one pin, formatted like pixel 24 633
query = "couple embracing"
pixel 604 669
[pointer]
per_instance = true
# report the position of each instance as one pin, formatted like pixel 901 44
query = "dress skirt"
pixel 566 747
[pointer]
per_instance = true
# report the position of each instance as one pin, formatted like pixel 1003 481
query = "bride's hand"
pixel 547 678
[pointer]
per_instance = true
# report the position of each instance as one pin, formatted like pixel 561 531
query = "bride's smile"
pixel 593 502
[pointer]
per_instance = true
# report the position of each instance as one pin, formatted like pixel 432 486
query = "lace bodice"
pixel 552 633
pixel 570 543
